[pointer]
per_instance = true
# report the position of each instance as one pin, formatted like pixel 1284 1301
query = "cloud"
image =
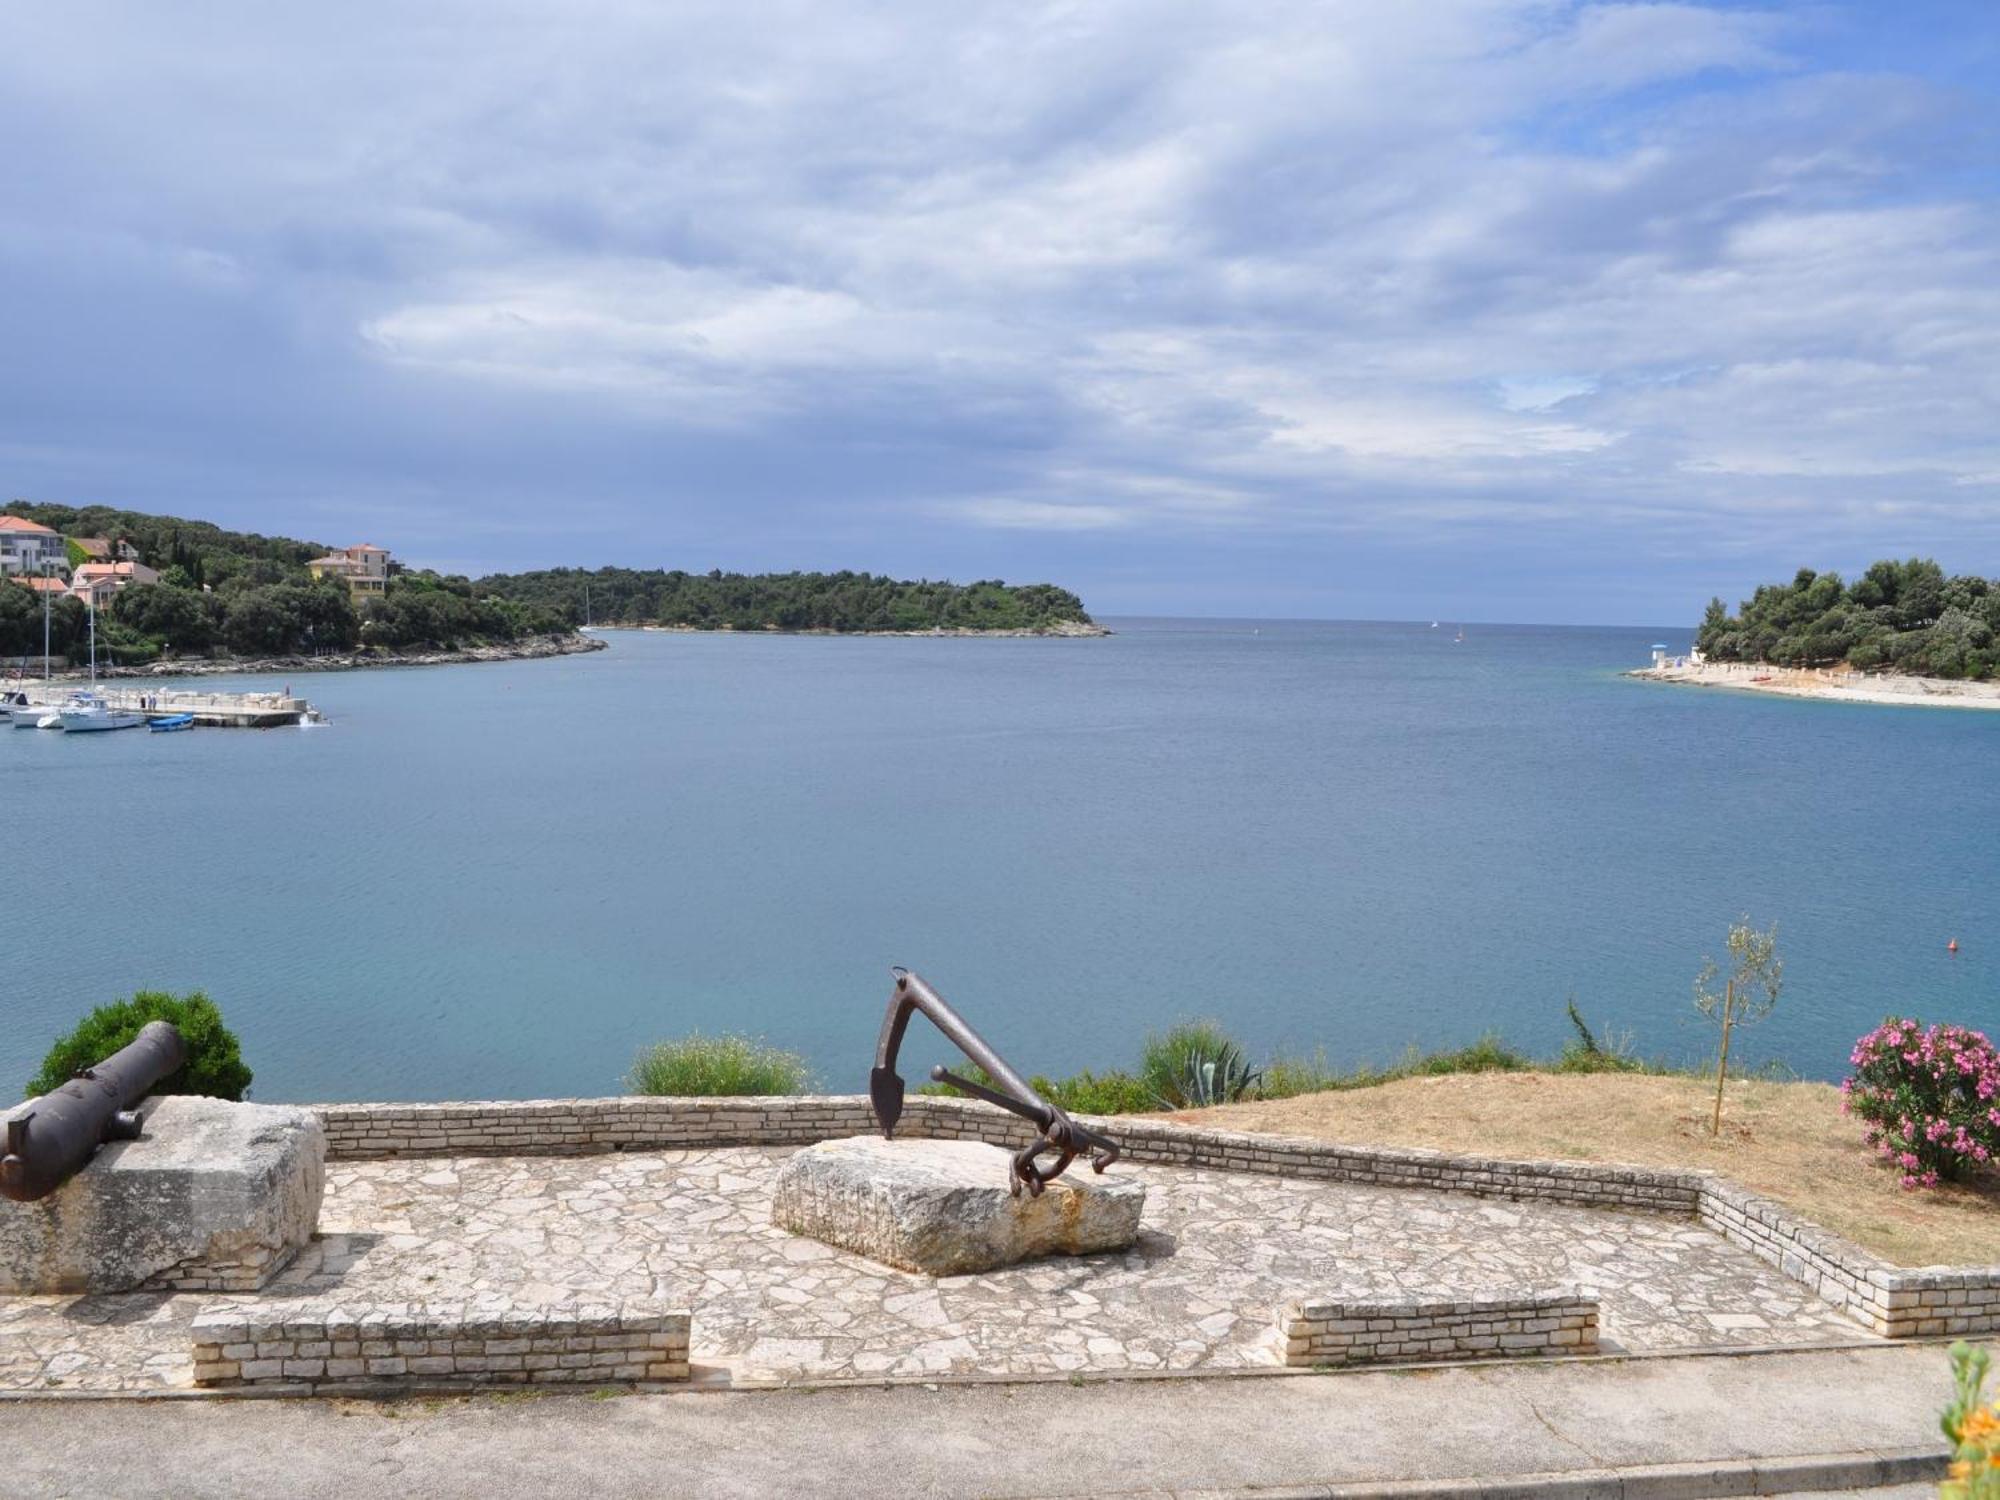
pixel 1526 268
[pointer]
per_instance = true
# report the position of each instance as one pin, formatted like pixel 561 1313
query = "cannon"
pixel 52 1137
pixel 1058 1132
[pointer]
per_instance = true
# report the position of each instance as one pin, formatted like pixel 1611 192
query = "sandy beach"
pixel 1833 683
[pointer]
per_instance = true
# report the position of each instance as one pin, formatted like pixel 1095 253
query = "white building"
pixel 28 548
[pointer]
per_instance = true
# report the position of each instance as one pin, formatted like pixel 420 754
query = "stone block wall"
pixel 582 1126
pixel 1890 1301
pixel 331 1344
pixel 1893 1301
pixel 1378 1331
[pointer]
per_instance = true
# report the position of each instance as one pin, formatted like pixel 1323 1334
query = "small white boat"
pixel 19 711
pixel 86 711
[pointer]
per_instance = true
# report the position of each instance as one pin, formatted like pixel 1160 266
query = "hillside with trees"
pixel 1904 617
pixel 841 602
pixel 232 593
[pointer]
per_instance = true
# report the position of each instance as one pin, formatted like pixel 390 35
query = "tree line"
pixel 845 601
pixel 1897 617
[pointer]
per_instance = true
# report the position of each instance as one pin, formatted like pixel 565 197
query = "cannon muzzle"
pixel 53 1137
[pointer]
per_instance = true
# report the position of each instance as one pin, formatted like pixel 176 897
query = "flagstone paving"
pixel 1220 1252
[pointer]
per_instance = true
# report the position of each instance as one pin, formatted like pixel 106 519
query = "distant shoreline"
pixel 534 648
pixel 1064 629
pixel 1830 684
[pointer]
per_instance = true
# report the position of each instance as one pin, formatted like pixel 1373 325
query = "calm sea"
pixel 501 880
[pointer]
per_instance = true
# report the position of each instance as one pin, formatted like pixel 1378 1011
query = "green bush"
pixel 214 1063
pixel 1114 1093
pixel 1287 1077
pixel 1173 1066
pixel 711 1065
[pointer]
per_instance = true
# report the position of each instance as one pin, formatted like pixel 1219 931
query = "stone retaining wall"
pixel 332 1344
pixel 1891 1301
pixel 1374 1331
pixel 583 1126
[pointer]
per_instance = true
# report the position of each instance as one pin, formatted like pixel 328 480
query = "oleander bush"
pixel 1930 1096
pixel 711 1065
pixel 214 1063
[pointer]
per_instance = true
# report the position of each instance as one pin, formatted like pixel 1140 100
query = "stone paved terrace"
pixel 1220 1253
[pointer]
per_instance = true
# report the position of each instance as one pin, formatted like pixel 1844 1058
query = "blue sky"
pixel 1479 309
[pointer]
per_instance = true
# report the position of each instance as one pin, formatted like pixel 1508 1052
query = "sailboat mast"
pixel 93 641
pixel 45 622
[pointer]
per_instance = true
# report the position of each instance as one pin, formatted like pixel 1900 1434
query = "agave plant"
pixel 1218 1077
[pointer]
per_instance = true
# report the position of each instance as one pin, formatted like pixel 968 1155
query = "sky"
pixel 1521 310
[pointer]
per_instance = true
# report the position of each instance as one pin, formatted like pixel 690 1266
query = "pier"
pixel 210 710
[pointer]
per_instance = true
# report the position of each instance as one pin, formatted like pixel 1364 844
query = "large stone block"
pixel 213 1196
pixel 942 1207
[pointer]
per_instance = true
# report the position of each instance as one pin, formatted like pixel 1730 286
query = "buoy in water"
pixel 1952 946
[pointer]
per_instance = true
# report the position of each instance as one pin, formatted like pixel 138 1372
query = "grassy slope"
pixel 1786 1140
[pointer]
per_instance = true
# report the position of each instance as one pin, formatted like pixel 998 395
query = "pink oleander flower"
pixel 1926 1097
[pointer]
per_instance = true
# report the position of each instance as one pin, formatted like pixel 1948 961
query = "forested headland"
pixel 841 602
pixel 1901 617
pixel 239 594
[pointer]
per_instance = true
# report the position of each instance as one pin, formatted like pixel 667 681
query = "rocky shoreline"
pixel 1830 684
pixel 534 648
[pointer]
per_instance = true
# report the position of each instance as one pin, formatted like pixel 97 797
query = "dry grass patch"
pixel 1788 1141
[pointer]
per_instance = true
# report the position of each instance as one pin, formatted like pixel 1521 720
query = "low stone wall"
pixel 583 1126
pixel 321 1344
pixel 1892 1301
pixel 1375 1331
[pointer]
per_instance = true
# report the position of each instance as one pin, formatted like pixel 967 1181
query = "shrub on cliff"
pixel 1931 1097
pixel 700 1065
pixel 214 1063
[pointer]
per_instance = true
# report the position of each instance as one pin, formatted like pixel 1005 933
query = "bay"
pixel 501 880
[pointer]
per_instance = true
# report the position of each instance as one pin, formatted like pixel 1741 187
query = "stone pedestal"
pixel 213 1197
pixel 942 1207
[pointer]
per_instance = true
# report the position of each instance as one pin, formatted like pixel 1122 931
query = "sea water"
pixel 502 880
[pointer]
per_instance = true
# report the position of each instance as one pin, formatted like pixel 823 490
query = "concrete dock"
pixel 213 710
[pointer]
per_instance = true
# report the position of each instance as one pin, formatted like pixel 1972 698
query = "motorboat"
pixel 87 711
pixel 170 723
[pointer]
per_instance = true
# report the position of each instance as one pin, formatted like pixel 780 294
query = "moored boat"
pixel 170 723
pixel 87 712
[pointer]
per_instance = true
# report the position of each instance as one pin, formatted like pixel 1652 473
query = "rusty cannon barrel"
pixel 52 1137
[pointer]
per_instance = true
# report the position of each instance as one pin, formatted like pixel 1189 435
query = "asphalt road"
pixel 1043 1440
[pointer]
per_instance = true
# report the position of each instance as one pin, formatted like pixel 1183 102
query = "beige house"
pixel 96 582
pixel 364 569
